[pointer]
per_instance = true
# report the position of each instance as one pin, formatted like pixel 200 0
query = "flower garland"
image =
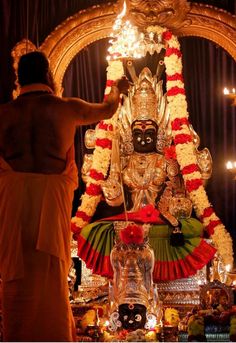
pixel 101 160
pixel 184 147
pixel 185 150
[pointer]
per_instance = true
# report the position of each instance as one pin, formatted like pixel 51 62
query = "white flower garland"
pixel 185 150
pixel 101 159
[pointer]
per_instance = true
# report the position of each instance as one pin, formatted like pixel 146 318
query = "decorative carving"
pixel 169 13
pixel 74 34
pixel 207 293
pixel 214 24
pixel 96 22
pixel 21 48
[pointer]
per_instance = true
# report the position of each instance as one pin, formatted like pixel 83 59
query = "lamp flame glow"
pixel 230 94
pixel 231 166
pixel 127 42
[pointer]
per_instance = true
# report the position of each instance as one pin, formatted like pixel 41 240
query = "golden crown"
pixel 144 100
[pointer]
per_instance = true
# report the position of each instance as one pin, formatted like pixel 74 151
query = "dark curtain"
pixel 207 69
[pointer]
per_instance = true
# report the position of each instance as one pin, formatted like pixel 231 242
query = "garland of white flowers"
pixel 185 151
pixel 101 159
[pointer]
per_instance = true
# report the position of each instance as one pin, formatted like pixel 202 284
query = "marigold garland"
pixel 185 150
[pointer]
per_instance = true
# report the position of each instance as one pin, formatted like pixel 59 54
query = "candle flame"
pixel 229 165
pixel 121 15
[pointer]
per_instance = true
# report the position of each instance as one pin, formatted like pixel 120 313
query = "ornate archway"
pixel 96 22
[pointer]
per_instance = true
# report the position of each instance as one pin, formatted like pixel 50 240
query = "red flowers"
pixel 110 83
pixel 132 234
pixel 171 51
pixel 193 185
pixel 167 35
pixel 76 231
pixel 104 143
pixel 178 122
pixel 190 169
pixel 93 189
pixel 83 215
pixel 182 138
pixel 148 214
pixel 96 175
pixel 175 91
pixel 104 126
pixel 170 153
pixel 174 77
pixel 211 226
pixel 207 212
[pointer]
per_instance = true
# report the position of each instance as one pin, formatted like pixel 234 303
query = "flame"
pixel 226 91
pixel 121 15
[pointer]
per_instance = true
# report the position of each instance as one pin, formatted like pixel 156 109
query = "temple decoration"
pixel 231 94
pixel 94 23
pixel 231 167
pixel 182 138
pixel 165 13
pixel 133 297
pixel 128 42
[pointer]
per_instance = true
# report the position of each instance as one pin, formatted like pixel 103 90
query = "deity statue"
pixel 133 298
pixel 145 178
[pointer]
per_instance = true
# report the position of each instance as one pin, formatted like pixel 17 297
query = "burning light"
pixel 126 41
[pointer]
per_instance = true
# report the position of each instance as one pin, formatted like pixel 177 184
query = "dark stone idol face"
pixel 132 316
pixel 144 133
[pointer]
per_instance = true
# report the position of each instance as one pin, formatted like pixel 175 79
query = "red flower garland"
pixel 76 230
pixel 192 185
pixel 96 175
pixel 83 215
pixel 175 91
pixel 104 143
pixel 105 126
pixel 178 122
pixel 211 226
pixel 182 138
pixel 170 152
pixel 93 189
pixel 207 212
pixel 167 35
pixel 175 77
pixel 110 83
pixel 190 169
pixel 172 51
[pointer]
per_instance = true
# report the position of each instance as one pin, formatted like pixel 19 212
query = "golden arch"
pixel 96 22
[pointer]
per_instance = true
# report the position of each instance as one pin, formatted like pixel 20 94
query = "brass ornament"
pixel 94 23
pixel 168 13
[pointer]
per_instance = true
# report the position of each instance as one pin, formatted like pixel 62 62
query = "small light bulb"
pixel 229 165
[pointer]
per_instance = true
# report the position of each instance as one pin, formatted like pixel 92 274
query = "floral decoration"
pixel 184 150
pixel 132 234
pixel 101 160
pixel 170 153
pixel 185 154
pixel 148 214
